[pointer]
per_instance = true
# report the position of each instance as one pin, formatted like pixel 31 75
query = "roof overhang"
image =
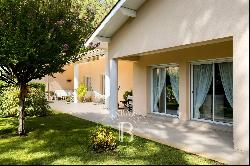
pixel 121 12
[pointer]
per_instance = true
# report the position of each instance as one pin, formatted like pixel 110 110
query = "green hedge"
pixel 37 85
pixel 35 104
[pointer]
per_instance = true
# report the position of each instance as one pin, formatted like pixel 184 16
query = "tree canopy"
pixel 39 37
pixel 100 8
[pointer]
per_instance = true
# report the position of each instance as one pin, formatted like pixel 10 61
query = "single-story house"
pixel 187 60
pixel 190 60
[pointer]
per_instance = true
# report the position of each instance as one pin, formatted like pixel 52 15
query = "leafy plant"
pixel 38 38
pixel 170 95
pixel 81 92
pixel 126 94
pixel 68 98
pixel 51 93
pixel 36 103
pixel 103 139
pixel 9 102
pixel 37 85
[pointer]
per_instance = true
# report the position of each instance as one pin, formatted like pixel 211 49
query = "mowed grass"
pixel 64 139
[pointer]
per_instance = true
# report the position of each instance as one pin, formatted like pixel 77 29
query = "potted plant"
pixel 126 94
pixel 81 92
pixel 68 99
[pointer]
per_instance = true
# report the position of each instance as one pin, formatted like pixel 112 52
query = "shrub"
pixel 81 92
pixel 2 86
pixel 68 98
pixel 9 102
pixel 37 85
pixel 36 103
pixel 103 139
pixel 126 94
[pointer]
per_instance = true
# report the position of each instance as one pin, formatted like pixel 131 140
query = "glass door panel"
pixel 223 112
pixel 172 90
pixel 212 91
pixel 203 91
pixel 165 85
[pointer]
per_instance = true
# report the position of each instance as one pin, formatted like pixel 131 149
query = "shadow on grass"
pixel 64 139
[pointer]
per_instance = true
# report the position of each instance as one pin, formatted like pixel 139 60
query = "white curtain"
pixel 155 83
pixel 173 72
pixel 226 73
pixel 159 79
pixel 203 75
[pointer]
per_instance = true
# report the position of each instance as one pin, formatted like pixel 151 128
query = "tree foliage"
pixel 100 8
pixel 38 38
pixel 36 103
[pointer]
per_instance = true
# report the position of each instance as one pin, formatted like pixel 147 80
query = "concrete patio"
pixel 194 137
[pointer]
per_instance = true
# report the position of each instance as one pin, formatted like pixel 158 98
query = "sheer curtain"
pixel 173 72
pixel 155 85
pixel 159 79
pixel 226 73
pixel 203 75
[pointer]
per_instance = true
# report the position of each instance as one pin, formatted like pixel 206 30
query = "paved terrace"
pixel 195 137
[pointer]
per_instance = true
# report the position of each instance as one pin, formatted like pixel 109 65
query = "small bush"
pixel 126 94
pixel 68 98
pixel 103 139
pixel 81 92
pixel 35 103
pixel 37 85
pixel 9 102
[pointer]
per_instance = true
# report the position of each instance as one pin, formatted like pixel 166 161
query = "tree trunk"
pixel 22 95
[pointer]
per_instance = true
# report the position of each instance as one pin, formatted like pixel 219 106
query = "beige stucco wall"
pixel 168 23
pixel 125 77
pixel 60 81
pixel 162 24
pixel 182 58
pixel 93 69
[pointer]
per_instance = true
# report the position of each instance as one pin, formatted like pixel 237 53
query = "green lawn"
pixel 63 139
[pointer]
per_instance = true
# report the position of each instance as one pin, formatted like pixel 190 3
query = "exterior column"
pixel 241 90
pixel 113 98
pixel 76 81
pixel 107 81
pixel 184 91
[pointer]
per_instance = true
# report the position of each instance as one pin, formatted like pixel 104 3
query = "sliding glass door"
pixel 212 91
pixel 165 90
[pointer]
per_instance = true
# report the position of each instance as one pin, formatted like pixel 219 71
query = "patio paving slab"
pixel 194 137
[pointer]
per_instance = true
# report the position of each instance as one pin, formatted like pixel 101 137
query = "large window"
pixel 212 91
pixel 165 89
